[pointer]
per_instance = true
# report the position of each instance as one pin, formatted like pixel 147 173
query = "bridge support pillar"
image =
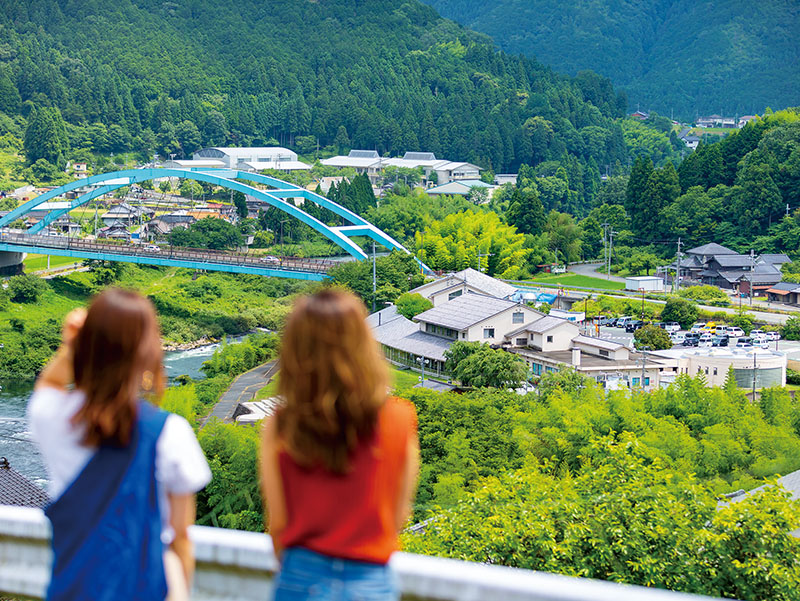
pixel 11 263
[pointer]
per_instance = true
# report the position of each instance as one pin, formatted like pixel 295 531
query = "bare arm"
pixel 182 514
pixel 272 485
pixel 408 485
pixel 58 372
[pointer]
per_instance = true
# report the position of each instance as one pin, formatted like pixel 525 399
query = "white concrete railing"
pixel 238 566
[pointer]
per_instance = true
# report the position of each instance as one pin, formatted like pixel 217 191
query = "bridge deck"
pixel 209 260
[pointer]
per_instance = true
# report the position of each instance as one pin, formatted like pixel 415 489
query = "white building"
pixel 465 281
pixel 713 364
pixel 433 169
pixel 649 283
pixel 253 158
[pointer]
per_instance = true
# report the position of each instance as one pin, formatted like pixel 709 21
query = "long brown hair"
pixel 333 380
pixel 116 349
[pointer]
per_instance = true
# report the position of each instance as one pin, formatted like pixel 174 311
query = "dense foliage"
pixel 395 274
pixel 173 77
pixel 659 52
pixel 479 365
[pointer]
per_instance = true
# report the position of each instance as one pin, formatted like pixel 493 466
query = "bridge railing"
pixel 239 566
pixel 171 252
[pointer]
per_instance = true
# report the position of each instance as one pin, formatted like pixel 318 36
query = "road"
pixel 241 390
pixel 590 269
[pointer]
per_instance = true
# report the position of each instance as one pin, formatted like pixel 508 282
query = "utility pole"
pixel 676 282
pixel 754 374
pixel 374 280
pixel 644 363
pixel 605 245
pixel 610 251
pixel 752 268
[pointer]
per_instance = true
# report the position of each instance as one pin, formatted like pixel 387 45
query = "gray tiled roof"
pixel 732 260
pixel 486 284
pixel 712 248
pixel 788 286
pixel 403 334
pixel 384 316
pixel 774 258
pixel 16 489
pixel 465 311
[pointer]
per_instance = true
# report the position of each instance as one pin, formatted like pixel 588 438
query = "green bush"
pixel 409 305
pixel 680 310
pixel 26 288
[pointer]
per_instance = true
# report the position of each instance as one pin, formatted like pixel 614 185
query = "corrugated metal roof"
pixel 364 154
pixel 599 343
pixel 465 311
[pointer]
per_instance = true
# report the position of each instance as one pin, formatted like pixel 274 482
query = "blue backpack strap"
pixel 107 524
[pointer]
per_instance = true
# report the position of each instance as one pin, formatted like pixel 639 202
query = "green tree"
pixel 409 305
pixel 525 211
pixel 46 137
pixel 240 202
pixel 210 232
pixel 479 365
pixel 791 329
pixel 652 338
pixel 637 185
pixel 680 310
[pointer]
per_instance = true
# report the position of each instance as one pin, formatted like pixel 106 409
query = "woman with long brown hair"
pixel 339 458
pixel 122 473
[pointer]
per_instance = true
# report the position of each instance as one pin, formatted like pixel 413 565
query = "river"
pixel 15 442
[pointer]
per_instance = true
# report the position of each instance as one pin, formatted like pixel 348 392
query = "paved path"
pixel 590 269
pixel 242 389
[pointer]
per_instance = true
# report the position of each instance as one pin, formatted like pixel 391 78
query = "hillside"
pixel 169 77
pixel 731 57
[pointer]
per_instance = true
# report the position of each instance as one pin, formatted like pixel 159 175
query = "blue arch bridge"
pixel 36 238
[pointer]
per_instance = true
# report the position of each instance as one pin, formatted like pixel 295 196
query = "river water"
pixel 15 442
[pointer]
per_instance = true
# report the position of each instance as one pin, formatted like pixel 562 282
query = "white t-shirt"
pixel 181 467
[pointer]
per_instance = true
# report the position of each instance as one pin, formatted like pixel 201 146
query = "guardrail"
pixel 239 566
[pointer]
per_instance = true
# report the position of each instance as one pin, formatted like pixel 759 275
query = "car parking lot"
pixel 790 347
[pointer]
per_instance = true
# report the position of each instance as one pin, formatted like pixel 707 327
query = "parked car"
pixel 698 327
pixel 705 340
pixel 604 320
pixel 677 337
pixel 672 326
pixel 761 343
pixel 622 322
pixel 735 331
pixel 772 336
pixel 719 341
pixel 691 339
pixel 633 325
pixel 745 343
pixel 659 324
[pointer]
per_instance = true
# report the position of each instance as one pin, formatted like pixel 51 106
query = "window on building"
pixel 463 334
pixel 636 381
pixel 522 341
pixel 488 332
pixel 715 371
pixel 647 381
pixel 549 339
pixel 518 317
pixel 455 294
pixel 706 371
pixel 603 353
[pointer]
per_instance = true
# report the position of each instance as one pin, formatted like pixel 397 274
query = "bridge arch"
pixel 225 178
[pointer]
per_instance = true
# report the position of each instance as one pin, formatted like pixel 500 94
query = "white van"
pixel 705 340
pixel 678 337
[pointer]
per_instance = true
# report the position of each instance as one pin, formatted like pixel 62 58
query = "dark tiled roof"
pixel 465 311
pixel 787 286
pixel 775 259
pixel 732 260
pixel 711 248
pixel 16 489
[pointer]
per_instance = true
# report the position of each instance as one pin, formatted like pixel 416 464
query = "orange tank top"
pixel 352 515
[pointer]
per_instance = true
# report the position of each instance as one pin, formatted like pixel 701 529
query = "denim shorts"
pixel 309 576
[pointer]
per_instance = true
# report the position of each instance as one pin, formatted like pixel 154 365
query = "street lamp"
pixel 423 362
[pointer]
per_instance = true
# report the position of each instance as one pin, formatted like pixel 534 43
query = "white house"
pixel 433 169
pixel 461 282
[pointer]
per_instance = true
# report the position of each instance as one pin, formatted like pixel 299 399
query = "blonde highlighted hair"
pixel 333 380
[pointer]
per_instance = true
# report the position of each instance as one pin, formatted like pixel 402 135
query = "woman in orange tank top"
pixel 339 459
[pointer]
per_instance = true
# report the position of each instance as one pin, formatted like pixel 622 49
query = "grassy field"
pixel 38 262
pixel 575 279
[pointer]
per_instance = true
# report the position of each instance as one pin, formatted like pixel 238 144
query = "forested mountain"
pixel 690 57
pixel 170 76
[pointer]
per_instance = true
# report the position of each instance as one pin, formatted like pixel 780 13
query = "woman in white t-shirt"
pixel 122 474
